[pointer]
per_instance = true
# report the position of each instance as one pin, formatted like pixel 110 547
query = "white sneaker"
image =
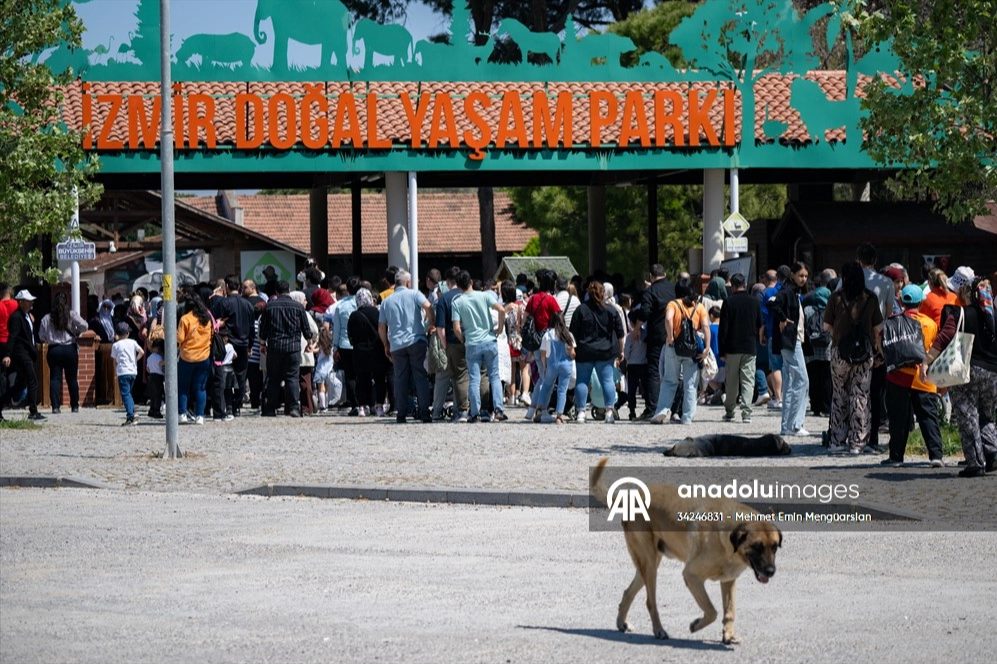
pixel 379 411
pixel 199 420
pixel 183 419
pixel 662 417
pixel 937 464
pixel 524 401
pixel 580 417
pixel 361 411
pixel 854 451
pixel 229 417
pixel 610 419
pixel 775 404
pixel 763 400
pixel 801 432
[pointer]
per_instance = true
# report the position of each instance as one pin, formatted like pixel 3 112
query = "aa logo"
pixel 628 501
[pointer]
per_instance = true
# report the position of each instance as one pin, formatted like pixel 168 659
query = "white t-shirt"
pixel 125 353
pixel 547 340
pixel 229 354
pixel 154 363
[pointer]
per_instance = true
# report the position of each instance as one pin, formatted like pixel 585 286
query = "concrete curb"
pixel 53 481
pixel 428 495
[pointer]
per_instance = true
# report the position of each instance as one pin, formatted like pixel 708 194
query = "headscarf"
pixel 822 294
pixel 717 289
pixel 136 310
pixel 364 298
pixel 607 287
pixel 104 313
pixel 298 297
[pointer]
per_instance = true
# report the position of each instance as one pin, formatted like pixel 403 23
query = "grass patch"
pixel 19 424
pixel 951 442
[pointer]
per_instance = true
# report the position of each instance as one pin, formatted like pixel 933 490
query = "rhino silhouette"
pixel 231 50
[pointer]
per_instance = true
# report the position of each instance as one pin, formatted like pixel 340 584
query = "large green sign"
pixel 367 96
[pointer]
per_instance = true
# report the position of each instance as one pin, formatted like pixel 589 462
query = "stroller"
pixel 599 399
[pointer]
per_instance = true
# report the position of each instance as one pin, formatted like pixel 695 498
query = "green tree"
pixel 649 30
pixel 942 133
pixel 41 160
pixel 560 216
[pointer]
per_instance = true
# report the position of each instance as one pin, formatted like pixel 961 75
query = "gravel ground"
pixel 106 576
pixel 512 456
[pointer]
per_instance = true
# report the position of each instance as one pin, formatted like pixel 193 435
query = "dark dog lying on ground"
pixel 730 445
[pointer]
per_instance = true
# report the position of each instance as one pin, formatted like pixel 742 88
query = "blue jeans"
pixel 671 366
pixel 125 382
pixel 477 354
pixel 761 385
pixel 193 375
pixel 583 375
pixel 795 389
pixel 559 373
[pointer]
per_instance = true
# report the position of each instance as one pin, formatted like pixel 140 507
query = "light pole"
pixel 169 236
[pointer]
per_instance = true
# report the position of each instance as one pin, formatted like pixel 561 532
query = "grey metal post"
pixel 169 235
pixel 413 228
pixel 74 229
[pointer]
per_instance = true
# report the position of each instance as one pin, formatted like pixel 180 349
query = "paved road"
pixel 104 576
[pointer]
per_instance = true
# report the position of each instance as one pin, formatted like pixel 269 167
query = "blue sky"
pixel 108 22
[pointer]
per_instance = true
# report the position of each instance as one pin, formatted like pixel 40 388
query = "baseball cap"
pixel 123 328
pixel 895 274
pixel 963 276
pixel 24 294
pixel 912 295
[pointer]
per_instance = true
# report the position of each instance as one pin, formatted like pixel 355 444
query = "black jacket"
pixel 21 340
pixel 652 310
pixel 784 306
pixel 740 321
pixel 238 315
pixel 597 331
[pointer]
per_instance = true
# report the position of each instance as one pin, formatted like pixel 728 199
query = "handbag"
pixel 903 342
pixel 708 368
pixel 951 367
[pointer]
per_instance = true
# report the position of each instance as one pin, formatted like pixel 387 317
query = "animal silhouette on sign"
pixel 773 129
pixel 819 113
pixel 598 49
pixel 324 22
pixel 390 40
pixel 540 44
pixel 231 50
pixel 433 55
pixel 655 60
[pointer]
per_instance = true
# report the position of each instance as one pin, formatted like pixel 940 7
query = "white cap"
pixel 963 276
pixel 24 294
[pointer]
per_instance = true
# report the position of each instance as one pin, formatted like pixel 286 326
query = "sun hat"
pixel 962 277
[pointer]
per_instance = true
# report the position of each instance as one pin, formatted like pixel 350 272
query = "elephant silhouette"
pixel 324 22
pixel 655 60
pixel 434 56
pixel 219 50
pixel 539 43
pixel 389 40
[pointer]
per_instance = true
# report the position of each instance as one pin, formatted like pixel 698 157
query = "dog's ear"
pixel 739 535
pixel 779 531
pixel 669 452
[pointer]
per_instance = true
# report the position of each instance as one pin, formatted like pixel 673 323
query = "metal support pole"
pixel 74 229
pixel 734 194
pixel 169 235
pixel 413 228
pixel 652 223
pixel 713 217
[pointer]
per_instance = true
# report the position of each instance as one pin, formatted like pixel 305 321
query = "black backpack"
pixel 685 343
pixel 530 336
pixel 813 327
pixel 856 347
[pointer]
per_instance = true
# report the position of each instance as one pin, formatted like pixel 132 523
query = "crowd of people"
pixel 466 350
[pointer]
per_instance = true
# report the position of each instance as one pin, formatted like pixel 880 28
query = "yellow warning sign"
pixel 167 288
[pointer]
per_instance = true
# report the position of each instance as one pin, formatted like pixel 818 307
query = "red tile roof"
pixel 772 92
pixel 447 221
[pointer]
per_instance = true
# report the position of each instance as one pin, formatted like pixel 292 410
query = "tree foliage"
pixel 649 30
pixel 41 160
pixel 560 215
pixel 943 130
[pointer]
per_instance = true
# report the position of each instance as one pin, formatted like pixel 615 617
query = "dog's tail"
pixel 596 486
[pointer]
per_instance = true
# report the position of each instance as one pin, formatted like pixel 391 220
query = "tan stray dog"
pixel 711 551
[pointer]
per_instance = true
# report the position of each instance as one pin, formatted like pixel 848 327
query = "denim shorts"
pixel 775 359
